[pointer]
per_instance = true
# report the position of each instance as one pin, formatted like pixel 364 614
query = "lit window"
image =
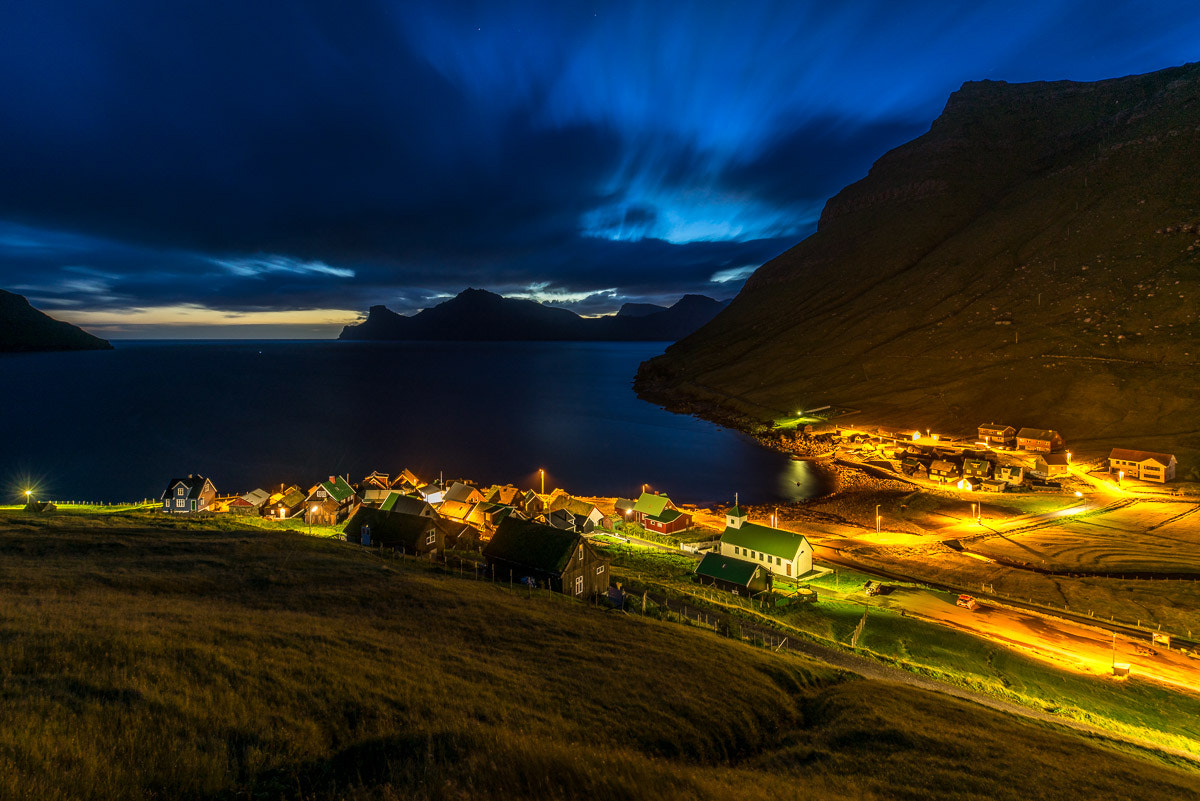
pixel 579 585
pixel 599 569
pixel 179 503
pixel 431 539
pixel 179 491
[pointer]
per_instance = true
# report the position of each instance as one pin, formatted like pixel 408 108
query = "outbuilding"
pixel 739 576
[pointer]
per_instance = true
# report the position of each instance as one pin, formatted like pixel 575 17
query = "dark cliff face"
pixel 1034 257
pixel 24 328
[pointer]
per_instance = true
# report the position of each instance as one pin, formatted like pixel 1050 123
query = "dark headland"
pixel 1034 256
pixel 476 315
pixel 24 328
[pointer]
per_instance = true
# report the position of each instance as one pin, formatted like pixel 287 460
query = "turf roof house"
pixel 374 488
pixel 186 495
pixel 738 576
pixel 284 504
pixel 563 561
pixel 414 535
pixel 784 553
pixel 407 504
pixel 330 502
pixel 1146 465
pixel 656 513
pixel 249 504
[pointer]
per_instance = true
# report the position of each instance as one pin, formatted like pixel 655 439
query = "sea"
pixel 115 426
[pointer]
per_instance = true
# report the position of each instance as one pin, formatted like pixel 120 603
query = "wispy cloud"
pixel 259 266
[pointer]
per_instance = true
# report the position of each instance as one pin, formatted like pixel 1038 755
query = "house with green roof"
pixel 784 553
pixel 656 513
pixel 739 576
pixel 414 535
pixel 330 502
pixel 563 561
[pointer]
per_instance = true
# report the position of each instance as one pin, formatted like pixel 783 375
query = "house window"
pixel 167 503
pixel 179 491
pixel 431 539
pixel 179 502
pixel 579 585
pixel 599 569
pixel 736 550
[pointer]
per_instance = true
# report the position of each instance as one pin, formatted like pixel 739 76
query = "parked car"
pixel 872 587
pixel 968 602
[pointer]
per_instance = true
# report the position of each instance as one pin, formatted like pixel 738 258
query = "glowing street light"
pixel 877 518
pixel 542 475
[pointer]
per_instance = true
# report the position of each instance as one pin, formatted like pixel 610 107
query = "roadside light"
pixel 916 435
pixel 28 493
pixel 1078 494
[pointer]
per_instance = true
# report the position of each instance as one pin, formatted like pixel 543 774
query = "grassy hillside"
pixel 138 663
pixel 1033 259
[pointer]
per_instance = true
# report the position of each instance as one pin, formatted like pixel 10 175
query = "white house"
pixel 784 553
pixel 1146 465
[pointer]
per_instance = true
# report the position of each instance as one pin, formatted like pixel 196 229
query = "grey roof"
pixel 459 492
pixel 257 497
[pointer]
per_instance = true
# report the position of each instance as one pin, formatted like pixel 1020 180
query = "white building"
pixel 784 553
pixel 1146 465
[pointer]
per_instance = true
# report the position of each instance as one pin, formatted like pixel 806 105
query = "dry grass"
pixel 138 663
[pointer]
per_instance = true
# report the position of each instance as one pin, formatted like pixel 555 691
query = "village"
pixel 562 542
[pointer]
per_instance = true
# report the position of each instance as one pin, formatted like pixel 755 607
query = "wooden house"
pixel 915 466
pixel 561 560
pixel 487 516
pixel 374 488
pixel 588 514
pixel 656 513
pixel 251 503
pixel 330 502
pixel 406 482
pixel 455 510
pixel 785 553
pixel 977 468
pixel 285 504
pixel 531 504
pixel 462 536
pixel 1143 465
pixel 561 519
pixel 993 485
pixel 998 436
pixel 435 493
pixel 506 495
pixel 407 504
pixel 1052 465
pixel 1041 440
pixel 186 495
pixel 220 503
pixel 739 576
pixel 414 535
pixel 1010 473
pixel 462 492
pixel 942 471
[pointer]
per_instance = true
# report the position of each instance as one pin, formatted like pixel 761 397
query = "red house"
pixel 656 513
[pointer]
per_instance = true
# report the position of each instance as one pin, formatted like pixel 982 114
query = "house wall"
pixel 797 565
pixel 1145 471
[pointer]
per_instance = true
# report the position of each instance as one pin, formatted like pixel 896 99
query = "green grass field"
pixel 196 662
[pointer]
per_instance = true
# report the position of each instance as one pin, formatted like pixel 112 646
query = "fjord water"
pixel 116 425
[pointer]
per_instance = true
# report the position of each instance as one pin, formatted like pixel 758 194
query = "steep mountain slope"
pixel 24 328
pixel 1033 258
pixel 479 315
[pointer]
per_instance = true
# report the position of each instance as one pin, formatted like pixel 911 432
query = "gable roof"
pixel 976 464
pixel 943 466
pixel 193 484
pixel 459 510
pixel 257 497
pixel 735 511
pixel 651 504
pixel 460 491
pixel 757 537
pixel 406 477
pixel 504 494
pixel 727 568
pixel 1056 459
pixel 624 504
pixel 532 545
pixel 995 428
pixel 1037 433
pixel 406 504
pixel 1128 455
pixel 390 528
pixel 666 516
pixel 337 488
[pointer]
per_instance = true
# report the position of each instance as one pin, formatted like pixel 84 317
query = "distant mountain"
pixel 1033 259
pixel 24 328
pixel 479 315
pixel 640 309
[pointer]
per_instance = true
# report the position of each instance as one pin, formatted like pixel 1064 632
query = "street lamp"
pixel 877 518
pixel 542 475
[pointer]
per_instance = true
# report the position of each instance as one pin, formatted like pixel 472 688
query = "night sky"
pixel 170 167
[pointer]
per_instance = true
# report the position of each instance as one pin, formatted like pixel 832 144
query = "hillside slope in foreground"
pixel 1033 259
pixel 204 664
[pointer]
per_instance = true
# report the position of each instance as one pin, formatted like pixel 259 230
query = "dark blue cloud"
pixel 285 156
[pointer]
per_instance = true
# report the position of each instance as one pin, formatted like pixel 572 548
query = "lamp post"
pixel 312 512
pixel 542 476
pixel 877 518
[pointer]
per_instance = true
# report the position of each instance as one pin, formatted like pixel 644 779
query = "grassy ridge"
pixel 180 663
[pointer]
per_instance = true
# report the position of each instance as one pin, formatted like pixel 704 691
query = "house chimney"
pixel 332 479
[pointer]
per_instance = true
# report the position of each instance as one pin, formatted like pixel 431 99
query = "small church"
pixel 784 553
